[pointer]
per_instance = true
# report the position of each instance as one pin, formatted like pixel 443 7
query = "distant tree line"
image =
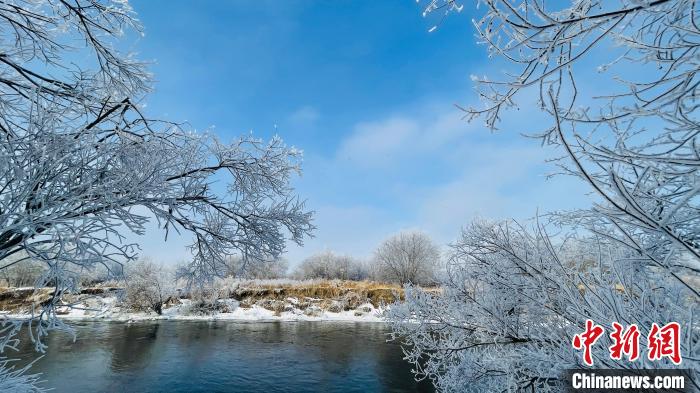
pixel 407 257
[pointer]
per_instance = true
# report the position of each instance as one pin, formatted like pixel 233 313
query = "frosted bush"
pixel 148 286
pixel 505 317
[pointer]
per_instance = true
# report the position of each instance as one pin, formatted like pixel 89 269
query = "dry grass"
pixel 22 299
pixel 376 293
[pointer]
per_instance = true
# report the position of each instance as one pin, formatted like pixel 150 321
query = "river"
pixel 203 356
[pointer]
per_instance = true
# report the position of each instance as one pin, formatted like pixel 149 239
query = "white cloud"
pixel 383 185
pixel 389 140
pixel 486 187
pixel 305 115
pixel 374 143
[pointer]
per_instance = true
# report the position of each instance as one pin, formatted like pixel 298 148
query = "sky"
pixel 369 95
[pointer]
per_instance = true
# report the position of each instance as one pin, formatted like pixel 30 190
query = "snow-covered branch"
pixel 513 300
pixel 81 164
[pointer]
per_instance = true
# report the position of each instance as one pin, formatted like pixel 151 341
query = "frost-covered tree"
pixel 23 274
pixel 329 265
pixel 513 299
pixel 408 257
pixel 619 82
pixel 616 83
pixel 147 286
pixel 81 164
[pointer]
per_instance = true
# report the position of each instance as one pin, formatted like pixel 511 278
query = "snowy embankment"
pixel 110 311
pixel 250 301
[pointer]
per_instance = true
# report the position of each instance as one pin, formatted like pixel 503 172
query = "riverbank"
pixel 269 300
pixel 233 312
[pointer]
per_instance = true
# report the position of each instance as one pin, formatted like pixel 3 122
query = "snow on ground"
pixel 109 310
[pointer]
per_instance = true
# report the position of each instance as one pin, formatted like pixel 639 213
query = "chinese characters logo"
pixel 662 342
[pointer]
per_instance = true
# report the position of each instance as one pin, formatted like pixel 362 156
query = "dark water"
pixel 180 356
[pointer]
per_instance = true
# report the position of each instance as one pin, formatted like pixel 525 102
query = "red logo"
pixel 586 339
pixel 661 342
pixel 624 342
pixel 664 342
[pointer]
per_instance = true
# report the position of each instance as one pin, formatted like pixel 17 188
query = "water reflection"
pixel 226 356
pixel 133 348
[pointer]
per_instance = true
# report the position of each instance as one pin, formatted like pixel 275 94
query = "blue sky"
pixel 368 94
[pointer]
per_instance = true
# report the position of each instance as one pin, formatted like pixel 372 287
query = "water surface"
pixel 189 356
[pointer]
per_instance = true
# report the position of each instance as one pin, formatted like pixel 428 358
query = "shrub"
pixel 408 257
pixel 328 265
pixel 147 286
